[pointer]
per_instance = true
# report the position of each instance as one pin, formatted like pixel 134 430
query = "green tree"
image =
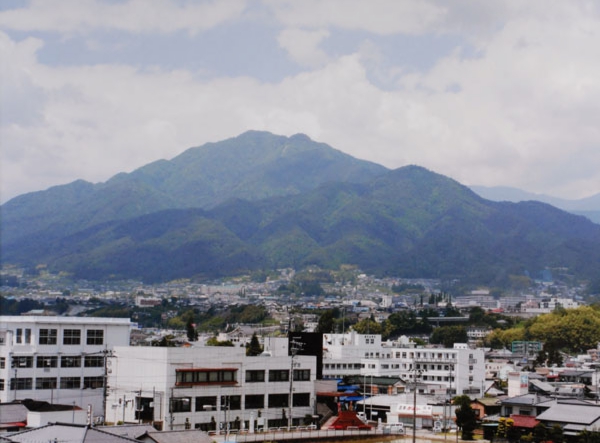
pixel 448 335
pixel 326 322
pixel 466 420
pixel 555 433
pixel 540 433
pixel 254 348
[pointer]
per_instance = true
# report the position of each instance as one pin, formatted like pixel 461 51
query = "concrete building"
pixel 460 369
pixel 209 388
pixel 58 359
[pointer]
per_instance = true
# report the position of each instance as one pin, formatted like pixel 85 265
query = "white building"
pixel 58 359
pixel 460 369
pixel 206 387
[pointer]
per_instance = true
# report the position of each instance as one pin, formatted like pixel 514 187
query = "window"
pixel 231 402
pixel 279 375
pixel 46 362
pixel 70 383
pixel 301 399
pixel 27 335
pixel 206 403
pixel 93 382
pixel 95 337
pixel 301 374
pixel 71 337
pixel 19 336
pixel 255 402
pixel 21 384
pixel 2 362
pixel 93 361
pixel 255 376
pixel 1 384
pixel 279 400
pixel 70 362
pixel 181 404
pixel 203 376
pixel 22 362
pixel 48 336
pixel 45 383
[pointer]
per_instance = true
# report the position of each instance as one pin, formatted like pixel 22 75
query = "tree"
pixel 555 433
pixel 466 420
pixel 190 327
pixel 326 322
pixel 540 433
pixel 254 348
pixel 448 335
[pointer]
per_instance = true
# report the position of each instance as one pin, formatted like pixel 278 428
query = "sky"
pixel 491 93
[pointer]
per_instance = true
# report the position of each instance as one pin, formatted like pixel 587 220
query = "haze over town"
pixel 488 93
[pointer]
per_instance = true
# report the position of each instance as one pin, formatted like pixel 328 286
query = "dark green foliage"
pixel 327 322
pixel 213 341
pixel 254 348
pixel 540 433
pixel 18 307
pixel 190 327
pixel 466 420
pixel 448 335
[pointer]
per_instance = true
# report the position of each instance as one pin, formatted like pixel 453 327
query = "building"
pixel 459 370
pixel 58 359
pixel 209 388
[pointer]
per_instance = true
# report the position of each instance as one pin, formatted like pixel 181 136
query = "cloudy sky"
pixel 486 92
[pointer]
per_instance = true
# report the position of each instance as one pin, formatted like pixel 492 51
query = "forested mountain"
pixel 261 201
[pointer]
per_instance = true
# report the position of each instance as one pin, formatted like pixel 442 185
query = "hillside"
pixel 252 166
pixel 407 222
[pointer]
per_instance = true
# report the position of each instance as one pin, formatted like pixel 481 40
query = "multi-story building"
pixel 209 388
pixel 58 359
pixel 459 370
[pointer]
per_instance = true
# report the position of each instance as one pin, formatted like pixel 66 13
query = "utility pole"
pixel 294 348
pixel 416 373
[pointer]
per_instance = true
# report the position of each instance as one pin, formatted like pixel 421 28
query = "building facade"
pixel 458 370
pixel 209 388
pixel 58 359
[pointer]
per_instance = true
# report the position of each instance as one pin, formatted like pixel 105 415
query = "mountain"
pixel 407 222
pixel 251 166
pixel 588 207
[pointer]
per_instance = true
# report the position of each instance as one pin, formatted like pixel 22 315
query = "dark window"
pixel 231 402
pixel 93 382
pixel 48 336
pixel 93 361
pixel 202 376
pixel 279 400
pixel 1 384
pixel 301 399
pixel 21 384
pixel 70 362
pixel 181 404
pixel 19 336
pixel 70 383
pixel 95 337
pixel 45 383
pixel 2 362
pixel 255 376
pixel 206 403
pixel 279 375
pixel 72 337
pixel 46 362
pixel 255 402
pixel 301 374
pixel 22 362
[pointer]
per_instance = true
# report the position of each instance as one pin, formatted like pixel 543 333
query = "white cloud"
pixel 303 46
pixel 524 112
pixel 137 16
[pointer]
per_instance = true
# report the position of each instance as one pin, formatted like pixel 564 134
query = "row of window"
pixel 49 336
pixel 198 376
pixel 234 402
pixel 89 361
pixel 27 383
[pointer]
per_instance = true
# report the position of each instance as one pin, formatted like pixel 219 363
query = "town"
pixel 299 353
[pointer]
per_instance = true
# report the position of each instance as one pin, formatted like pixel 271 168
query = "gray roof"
pixel 67 433
pixel 12 413
pixel 130 431
pixel 543 386
pixel 527 399
pixel 572 413
pixel 180 436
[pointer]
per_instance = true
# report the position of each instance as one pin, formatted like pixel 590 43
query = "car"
pixel 395 428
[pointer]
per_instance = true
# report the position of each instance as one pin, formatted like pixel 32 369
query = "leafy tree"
pixel 368 326
pixel 448 335
pixel 254 348
pixel 213 341
pixel 540 433
pixel 555 433
pixel 326 322
pixel 192 334
pixel 466 420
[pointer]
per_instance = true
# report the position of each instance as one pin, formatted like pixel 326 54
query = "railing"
pixel 297 433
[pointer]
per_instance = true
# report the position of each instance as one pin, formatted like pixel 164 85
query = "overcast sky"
pixel 486 92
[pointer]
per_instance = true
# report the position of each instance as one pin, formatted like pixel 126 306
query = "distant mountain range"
pixel 588 207
pixel 262 201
